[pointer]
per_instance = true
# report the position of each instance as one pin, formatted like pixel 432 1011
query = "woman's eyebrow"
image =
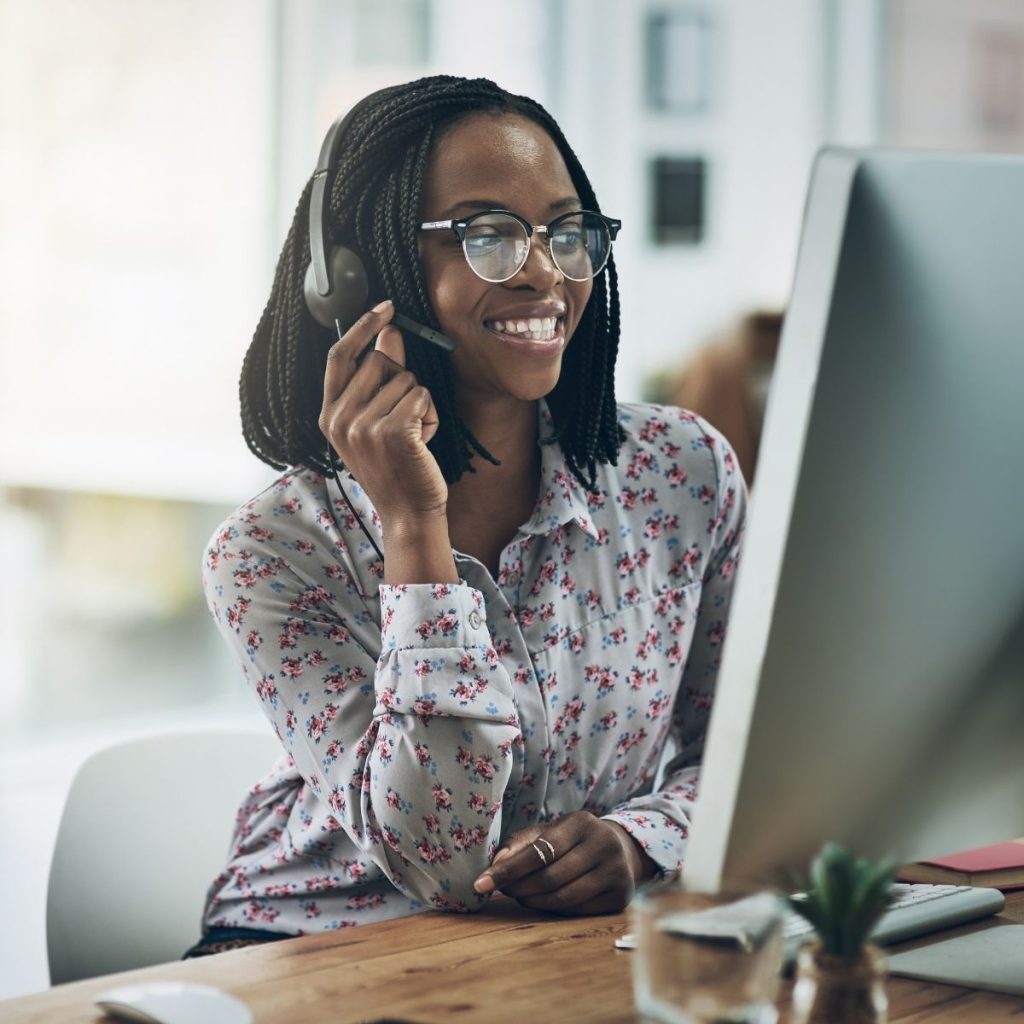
pixel 568 203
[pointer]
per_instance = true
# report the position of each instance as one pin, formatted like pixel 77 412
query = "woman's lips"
pixel 533 336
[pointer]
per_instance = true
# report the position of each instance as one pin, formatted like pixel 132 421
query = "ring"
pixel 548 845
pixel 540 853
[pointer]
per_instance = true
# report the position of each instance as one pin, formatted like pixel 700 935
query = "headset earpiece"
pixel 348 290
pixel 336 284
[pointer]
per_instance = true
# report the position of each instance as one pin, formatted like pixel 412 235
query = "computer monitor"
pixel 872 681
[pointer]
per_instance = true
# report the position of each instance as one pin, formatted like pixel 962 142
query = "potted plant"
pixel 841 975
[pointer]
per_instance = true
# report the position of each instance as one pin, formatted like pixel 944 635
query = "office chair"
pixel 145 830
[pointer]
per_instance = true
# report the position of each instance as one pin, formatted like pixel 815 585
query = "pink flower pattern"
pixel 420 724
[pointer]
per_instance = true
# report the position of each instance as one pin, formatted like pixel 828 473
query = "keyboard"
pixel 915 910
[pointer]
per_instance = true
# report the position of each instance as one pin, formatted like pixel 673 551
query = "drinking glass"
pixel 706 957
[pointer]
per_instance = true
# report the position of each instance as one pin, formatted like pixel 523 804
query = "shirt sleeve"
pixel 659 822
pixel 410 751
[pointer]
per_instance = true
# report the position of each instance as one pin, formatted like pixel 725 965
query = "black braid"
pixel 611 430
pixel 374 205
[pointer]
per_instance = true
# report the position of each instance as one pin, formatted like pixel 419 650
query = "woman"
pixel 485 707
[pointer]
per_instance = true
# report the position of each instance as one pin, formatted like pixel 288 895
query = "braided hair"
pixel 374 206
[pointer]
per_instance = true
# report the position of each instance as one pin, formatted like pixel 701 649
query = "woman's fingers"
pixel 414 414
pixel 586 881
pixel 576 901
pixel 372 377
pixel 508 870
pixel 389 343
pixel 529 856
pixel 372 393
pixel 559 873
pixel 579 865
pixel 519 840
pixel 385 395
pixel 373 373
pixel 568 899
pixel 378 419
pixel 343 358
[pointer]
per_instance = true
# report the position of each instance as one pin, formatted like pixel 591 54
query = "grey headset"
pixel 336 285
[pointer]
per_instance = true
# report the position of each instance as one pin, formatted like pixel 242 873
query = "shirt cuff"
pixel 661 838
pixel 431 615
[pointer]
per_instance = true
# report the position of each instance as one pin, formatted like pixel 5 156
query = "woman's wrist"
pixel 417 549
pixel 642 867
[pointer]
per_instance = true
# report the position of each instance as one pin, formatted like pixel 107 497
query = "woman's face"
pixel 500 161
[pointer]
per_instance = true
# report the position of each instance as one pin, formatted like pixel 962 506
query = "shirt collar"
pixel 562 499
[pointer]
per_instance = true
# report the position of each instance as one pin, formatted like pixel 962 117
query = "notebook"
pixel 1000 866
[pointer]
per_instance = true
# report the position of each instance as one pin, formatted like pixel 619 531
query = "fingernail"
pixel 484 884
pixel 381 306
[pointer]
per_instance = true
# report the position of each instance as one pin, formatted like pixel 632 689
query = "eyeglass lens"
pixel 496 246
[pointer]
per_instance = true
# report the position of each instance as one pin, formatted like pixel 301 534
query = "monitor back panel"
pixel 872 685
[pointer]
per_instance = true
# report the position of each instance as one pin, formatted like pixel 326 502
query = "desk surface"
pixel 505 964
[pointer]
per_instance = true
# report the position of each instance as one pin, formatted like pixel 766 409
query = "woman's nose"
pixel 539 271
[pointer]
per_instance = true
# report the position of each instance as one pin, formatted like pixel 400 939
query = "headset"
pixel 336 284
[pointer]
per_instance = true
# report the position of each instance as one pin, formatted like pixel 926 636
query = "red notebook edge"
pixel 995 857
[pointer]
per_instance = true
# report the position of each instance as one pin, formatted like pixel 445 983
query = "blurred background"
pixel 151 154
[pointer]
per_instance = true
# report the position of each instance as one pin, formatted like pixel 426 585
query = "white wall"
pixel 323 74
pixel 133 225
pixel 956 74
pixel 764 122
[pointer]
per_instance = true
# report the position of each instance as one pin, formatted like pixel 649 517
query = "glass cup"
pixel 706 957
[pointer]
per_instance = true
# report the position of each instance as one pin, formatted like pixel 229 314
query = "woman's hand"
pixel 593 866
pixel 379 419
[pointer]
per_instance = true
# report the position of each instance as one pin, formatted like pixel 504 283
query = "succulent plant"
pixel 843 898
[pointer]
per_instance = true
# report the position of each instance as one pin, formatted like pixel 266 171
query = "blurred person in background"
pixel 727 383
pixel 478 637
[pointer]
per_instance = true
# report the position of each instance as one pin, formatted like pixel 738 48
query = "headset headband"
pixel 317 205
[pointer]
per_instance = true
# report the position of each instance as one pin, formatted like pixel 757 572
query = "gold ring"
pixel 549 846
pixel 540 853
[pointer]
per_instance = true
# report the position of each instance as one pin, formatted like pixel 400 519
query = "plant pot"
pixel 837 990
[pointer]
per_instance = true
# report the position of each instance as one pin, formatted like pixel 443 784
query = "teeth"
pixel 543 327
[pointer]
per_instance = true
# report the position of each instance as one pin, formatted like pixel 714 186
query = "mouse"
pixel 172 1002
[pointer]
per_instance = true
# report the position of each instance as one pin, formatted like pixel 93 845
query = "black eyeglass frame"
pixel 461 226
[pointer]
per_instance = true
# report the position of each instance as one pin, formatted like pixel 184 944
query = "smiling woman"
pixel 540 308
pixel 481 639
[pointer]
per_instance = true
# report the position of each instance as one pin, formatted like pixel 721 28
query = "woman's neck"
pixel 486 508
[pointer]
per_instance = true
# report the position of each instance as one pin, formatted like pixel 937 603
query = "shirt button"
pixel 474 619
pixel 512 579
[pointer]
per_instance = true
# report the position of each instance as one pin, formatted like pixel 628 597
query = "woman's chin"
pixel 525 383
pixel 535 388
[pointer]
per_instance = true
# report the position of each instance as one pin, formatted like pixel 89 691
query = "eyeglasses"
pixel 497 242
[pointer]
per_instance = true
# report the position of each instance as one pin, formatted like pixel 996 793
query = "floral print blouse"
pixel 423 723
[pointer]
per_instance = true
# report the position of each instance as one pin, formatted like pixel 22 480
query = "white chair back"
pixel 145 830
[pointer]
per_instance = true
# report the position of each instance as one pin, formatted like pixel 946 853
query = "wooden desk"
pixel 506 964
